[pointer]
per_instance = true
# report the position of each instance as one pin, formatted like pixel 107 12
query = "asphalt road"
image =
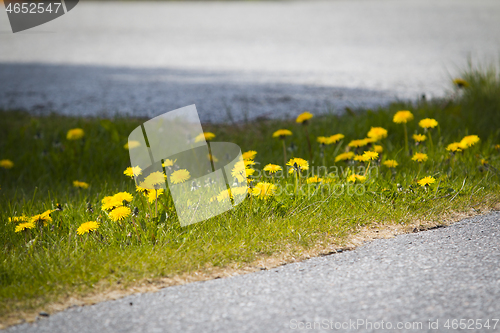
pixel 435 277
pixel 243 59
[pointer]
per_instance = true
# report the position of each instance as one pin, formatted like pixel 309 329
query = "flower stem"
pixel 284 154
pixel 406 140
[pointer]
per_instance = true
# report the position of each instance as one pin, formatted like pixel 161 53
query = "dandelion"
pixel 123 196
pixel 224 195
pixel 42 218
pixel 24 226
pixel 335 138
pixel 358 143
pixel 80 184
pixel 460 83
pixel 120 213
pixel 153 195
pixel 75 134
pixel 154 180
pixel 426 181
pixel 17 219
pixel 132 171
pixel 323 140
pixel 469 141
pixel 377 133
pixel 402 117
pixel 249 155
pixel 6 164
pixel 131 144
pixel 390 164
pixel 344 156
pixel 141 189
pixel 497 147
pixel 378 149
pixel 281 134
pixel 370 155
pixel 207 136
pixel 263 190
pixel 180 176
pixel 167 163
pixel 356 178
pixel 241 172
pixel 361 158
pixel 427 123
pixel 110 203
pixel 454 147
pixel 303 117
pixel 419 137
pixel 87 227
pixel 272 168
pixel 314 180
pixel 297 164
pixel 420 157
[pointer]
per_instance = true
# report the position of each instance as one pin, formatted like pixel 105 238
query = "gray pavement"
pixel 411 280
pixel 243 59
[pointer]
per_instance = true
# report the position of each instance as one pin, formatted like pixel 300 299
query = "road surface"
pixel 410 281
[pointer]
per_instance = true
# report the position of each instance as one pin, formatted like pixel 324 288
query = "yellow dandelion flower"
pixel 322 140
pixel 314 180
pixel 80 184
pixel 131 144
pixel 370 155
pixel 179 176
pixel 281 133
pixel 120 213
pixel 378 149
pixel 153 195
pixel 497 147
pixel 303 117
pixel 17 219
pixel 168 163
pixel 207 136
pixel 110 203
pixel 248 162
pixel 420 157
pixel 390 163
pixel 272 168
pixel 403 116
pixel 377 133
pixel 460 83
pixel 358 143
pixel 224 195
pixel 454 147
pixel 42 218
pixel 428 123
pixel 154 180
pixel 131 171
pixel 87 227
pixel 344 156
pixel 356 178
pixel 263 190
pixel 426 181
pixel 469 141
pixel 6 164
pixel 335 138
pixel 484 161
pixel 361 158
pixel 419 137
pixel 24 226
pixel 249 155
pixel 123 196
pixel 297 163
pixel 75 134
pixel 141 189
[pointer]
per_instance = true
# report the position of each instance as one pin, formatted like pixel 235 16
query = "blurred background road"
pixel 243 60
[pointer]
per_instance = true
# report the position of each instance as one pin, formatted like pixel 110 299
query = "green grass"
pixel 52 262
